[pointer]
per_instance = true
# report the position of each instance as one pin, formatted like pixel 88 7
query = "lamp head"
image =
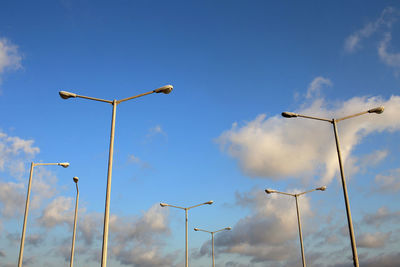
pixel 377 110
pixel 64 164
pixel 228 228
pixel 165 89
pixel 163 204
pixel 209 202
pixel 270 191
pixel 289 115
pixel 66 95
pixel 76 179
pixel 196 229
pixel 322 188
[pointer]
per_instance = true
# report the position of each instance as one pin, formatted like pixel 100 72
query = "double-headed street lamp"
pixel 377 110
pixel 65 95
pixel 186 224
pixel 212 239
pixel 322 188
pixel 28 195
pixel 71 261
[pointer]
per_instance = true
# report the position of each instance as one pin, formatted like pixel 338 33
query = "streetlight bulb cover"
pixel 64 164
pixel 270 191
pixel 377 110
pixel 196 229
pixel 289 115
pixel 228 228
pixel 66 95
pixel 163 204
pixel 209 202
pixel 76 179
pixel 322 188
pixel 165 89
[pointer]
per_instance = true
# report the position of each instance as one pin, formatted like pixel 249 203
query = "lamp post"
pixel 21 248
pixel 186 224
pixel 270 191
pixel 65 95
pixel 71 261
pixel 377 110
pixel 212 239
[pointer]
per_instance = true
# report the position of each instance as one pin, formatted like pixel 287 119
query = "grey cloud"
pixel 389 183
pixel 373 240
pixel 381 216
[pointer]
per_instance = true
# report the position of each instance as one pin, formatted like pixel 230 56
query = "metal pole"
pixel 300 234
pixel 346 198
pixel 21 248
pixel 71 263
pixel 212 241
pixel 186 224
pixel 108 190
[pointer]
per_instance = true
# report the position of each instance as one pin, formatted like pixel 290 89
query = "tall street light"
pixel 186 224
pixel 212 239
pixel 28 195
pixel 65 95
pixel 377 110
pixel 270 191
pixel 71 261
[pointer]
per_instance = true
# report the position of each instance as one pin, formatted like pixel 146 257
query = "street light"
pixel 28 195
pixel 271 191
pixel 71 261
pixel 186 223
pixel 65 95
pixel 377 110
pixel 212 239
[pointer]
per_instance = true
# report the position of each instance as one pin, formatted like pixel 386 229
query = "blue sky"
pixel 235 66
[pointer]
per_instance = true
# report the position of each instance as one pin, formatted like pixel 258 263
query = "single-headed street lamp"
pixel 212 239
pixel 377 110
pixel 271 191
pixel 28 195
pixel 71 261
pixel 65 95
pixel 186 224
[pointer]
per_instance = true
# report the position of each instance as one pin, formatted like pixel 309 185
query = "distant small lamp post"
pixel 212 239
pixel 71 262
pixel 377 110
pixel 28 195
pixel 186 224
pixel 65 95
pixel 271 191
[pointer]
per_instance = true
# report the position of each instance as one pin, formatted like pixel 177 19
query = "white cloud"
pixel 14 151
pixel 277 147
pixel 136 160
pixel 316 85
pixel 381 216
pixel 387 18
pixel 388 183
pixel 59 211
pixel 12 199
pixel 390 59
pixel 10 58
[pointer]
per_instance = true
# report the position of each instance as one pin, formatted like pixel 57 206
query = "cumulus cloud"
pixel 316 85
pixel 136 241
pixel 10 58
pixel 267 234
pixel 373 240
pixel 277 147
pixel 386 19
pixel 381 216
pixel 13 151
pixel 389 183
pixel 12 199
pixel 57 212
